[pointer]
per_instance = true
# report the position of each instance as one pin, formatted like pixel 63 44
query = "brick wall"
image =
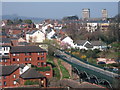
pixel 22 58
pixel 48 74
pixel 10 80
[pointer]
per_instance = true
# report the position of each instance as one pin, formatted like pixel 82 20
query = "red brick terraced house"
pixel 8 76
pixel 29 55
pixel 11 76
pixel 17 67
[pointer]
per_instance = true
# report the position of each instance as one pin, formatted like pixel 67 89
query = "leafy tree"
pixel 17 21
pixel 92 53
pixel 28 21
pixel 52 46
pixel 9 22
pixel 71 18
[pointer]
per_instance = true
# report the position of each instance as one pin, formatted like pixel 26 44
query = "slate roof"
pixel 23 43
pixel 6 40
pixel 97 43
pixel 31 74
pixel 22 65
pixel 80 42
pixel 33 31
pixel 88 45
pixel 3 34
pixel 7 70
pixel 25 49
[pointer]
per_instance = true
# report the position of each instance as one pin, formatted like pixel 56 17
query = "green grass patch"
pixel 56 73
pixel 28 82
pixel 65 72
pixel 50 59
pixel 43 69
pixel 91 60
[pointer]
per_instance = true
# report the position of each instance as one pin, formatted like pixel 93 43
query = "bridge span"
pixel 100 75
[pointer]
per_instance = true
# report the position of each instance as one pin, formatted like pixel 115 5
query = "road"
pixel 78 62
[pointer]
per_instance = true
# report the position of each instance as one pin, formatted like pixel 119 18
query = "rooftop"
pixel 7 70
pixel 6 40
pixel 31 74
pixel 25 49
pixel 80 42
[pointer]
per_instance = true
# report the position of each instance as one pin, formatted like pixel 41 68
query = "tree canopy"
pixel 71 18
pixel 28 21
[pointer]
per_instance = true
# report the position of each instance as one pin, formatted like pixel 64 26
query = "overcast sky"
pixel 57 10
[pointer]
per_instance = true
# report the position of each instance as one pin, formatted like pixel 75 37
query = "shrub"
pixel 43 68
pixel 28 82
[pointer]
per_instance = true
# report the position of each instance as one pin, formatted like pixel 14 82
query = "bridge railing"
pixel 90 63
pixel 89 70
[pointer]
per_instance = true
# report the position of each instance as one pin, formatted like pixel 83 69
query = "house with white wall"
pixel 92 27
pixel 83 44
pixel 45 27
pixel 5 46
pixel 68 41
pixel 98 45
pixel 90 45
pixel 35 36
pixel 50 34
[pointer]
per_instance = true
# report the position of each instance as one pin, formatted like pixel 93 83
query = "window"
pixel 14 76
pixel 5 60
pixel 42 58
pixel 0 60
pixel 38 63
pixel 14 82
pixel 26 59
pixel 44 63
pixel 38 53
pixel 41 63
pixel 4 77
pixel 5 83
pixel 42 54
pixel 14 59
pixel 38 58
pixel 13 54
pixel 0 83
pixel 30 59
pixel 18 59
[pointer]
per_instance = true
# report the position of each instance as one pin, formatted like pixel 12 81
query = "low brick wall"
pixel 48 74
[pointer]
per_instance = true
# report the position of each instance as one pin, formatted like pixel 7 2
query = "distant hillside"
pixel 12 17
